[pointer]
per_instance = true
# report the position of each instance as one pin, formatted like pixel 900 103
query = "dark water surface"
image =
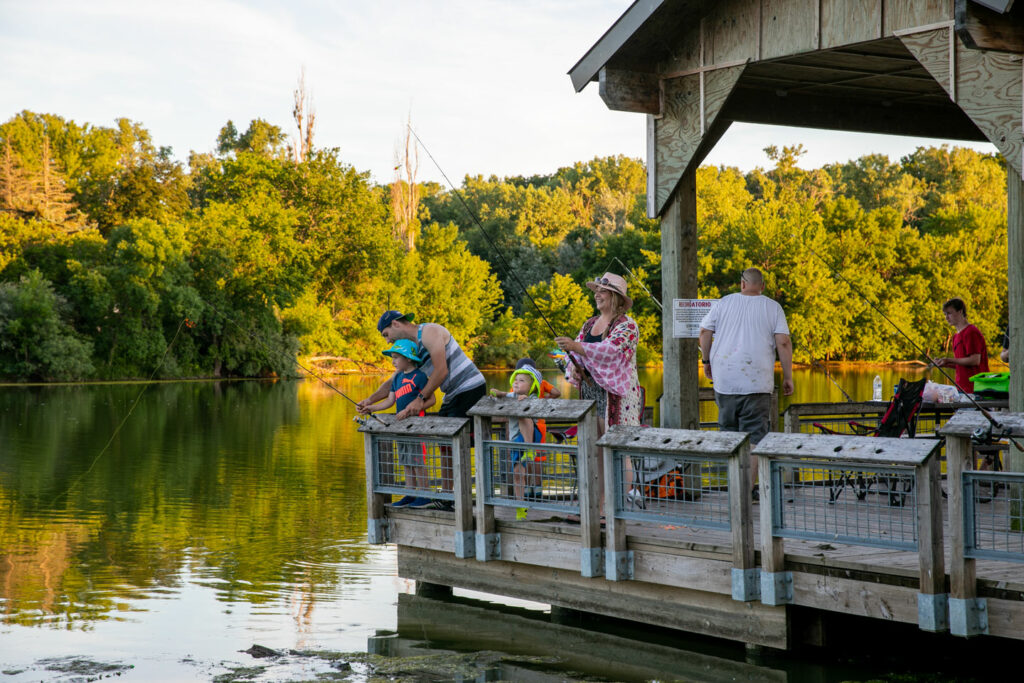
pixel 226 514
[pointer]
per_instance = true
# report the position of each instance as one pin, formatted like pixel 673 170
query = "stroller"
pixel 900 418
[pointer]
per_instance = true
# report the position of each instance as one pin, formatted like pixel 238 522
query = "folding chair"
pixel 900 418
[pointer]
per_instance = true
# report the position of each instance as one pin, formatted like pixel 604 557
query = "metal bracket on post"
pixel 968 616
pixel 618 565
pixel 465 544
pixel 488 547
pixel 776 588
pixel 591 562
pixel 378 531
pixel 746 584
pixel 933 611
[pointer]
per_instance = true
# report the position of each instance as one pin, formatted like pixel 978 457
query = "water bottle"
pixel 876 394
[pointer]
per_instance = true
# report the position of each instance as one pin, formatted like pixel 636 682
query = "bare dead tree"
pixel 53 202
pixel 405 192
pixel 305 120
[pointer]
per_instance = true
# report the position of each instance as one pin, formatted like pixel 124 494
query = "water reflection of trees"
pixel 255 489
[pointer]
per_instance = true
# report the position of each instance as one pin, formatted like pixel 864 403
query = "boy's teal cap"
pixel 403 347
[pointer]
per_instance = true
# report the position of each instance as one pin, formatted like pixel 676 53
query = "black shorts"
pixel 459 404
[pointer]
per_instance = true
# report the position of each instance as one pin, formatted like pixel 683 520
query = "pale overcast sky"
pixel 485 80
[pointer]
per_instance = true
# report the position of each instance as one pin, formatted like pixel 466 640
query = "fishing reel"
pixel 982 436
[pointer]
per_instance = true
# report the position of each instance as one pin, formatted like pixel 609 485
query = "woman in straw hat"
pixel 606 349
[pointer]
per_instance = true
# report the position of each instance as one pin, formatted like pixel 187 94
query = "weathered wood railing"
pixel 566 475
pixel 700 497
pixel 982 525
pixel 800 417
pixel 908 516
pixel 426 457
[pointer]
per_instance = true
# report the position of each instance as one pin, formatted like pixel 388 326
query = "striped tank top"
pixel 462 374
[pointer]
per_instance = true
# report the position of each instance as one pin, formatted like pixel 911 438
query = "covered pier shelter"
pixel 929 68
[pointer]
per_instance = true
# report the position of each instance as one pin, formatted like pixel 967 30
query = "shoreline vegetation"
pixel 119 261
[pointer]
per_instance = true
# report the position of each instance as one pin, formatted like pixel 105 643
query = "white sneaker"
pixel 636 498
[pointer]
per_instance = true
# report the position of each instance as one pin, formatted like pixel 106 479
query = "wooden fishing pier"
pixel 844 524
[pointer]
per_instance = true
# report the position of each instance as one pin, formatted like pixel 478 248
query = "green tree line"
pixel 116 259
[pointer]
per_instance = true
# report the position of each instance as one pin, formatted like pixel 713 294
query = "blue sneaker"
pixel 420 502
pixel 404 501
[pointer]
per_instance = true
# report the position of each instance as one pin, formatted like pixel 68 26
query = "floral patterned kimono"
pixel 612 365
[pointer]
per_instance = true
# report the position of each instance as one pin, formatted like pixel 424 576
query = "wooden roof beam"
pixel 849 114
pixel 981 28
pixel 630 91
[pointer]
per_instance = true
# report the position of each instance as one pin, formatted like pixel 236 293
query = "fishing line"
pixel 835 273
pixel 267 350
pixel 497 250
pixel 117 430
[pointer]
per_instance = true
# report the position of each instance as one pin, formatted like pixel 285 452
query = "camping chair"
pixel 900 418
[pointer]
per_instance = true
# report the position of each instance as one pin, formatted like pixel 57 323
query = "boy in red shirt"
pixel 970 353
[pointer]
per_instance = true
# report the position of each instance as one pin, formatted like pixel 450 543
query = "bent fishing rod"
pixel 985 413
pixel 497 250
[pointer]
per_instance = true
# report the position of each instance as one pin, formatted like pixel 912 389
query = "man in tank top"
pixel 447 367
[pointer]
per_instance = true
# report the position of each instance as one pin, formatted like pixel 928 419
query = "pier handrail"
pixel 451 436
pixel 913 461
pixel 731 449
pixel 968 614
pixel 488 541
pixel 798 415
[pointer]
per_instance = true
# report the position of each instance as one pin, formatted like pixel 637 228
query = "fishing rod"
pixel 838 386
pixel 497 250
pixel 931 361
pixel 266 350
pixel 642 285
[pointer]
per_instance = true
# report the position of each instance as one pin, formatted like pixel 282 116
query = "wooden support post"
pixel 932 600
pixel 776 583
pixel 968 615
pixel 376 521
pixel 618 559
pixel 465 541
pixel 791 421
pixel 488 543
pixel 746 583
pixel 591 552
pixel 1015 275
pixel 775 410
pixel 679 405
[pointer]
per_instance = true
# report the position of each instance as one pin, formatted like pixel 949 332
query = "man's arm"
pixel 363 406
pixel 434 342
pixel 704 341
pixel 785 347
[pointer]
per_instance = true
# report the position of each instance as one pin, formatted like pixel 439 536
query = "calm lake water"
pixel 228 514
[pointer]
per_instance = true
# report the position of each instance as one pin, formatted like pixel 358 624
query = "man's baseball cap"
pixel 389 317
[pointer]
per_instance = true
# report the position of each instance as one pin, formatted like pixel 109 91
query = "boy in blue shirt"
pixel 406 385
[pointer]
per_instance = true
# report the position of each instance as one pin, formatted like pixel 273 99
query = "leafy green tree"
pixel 36 340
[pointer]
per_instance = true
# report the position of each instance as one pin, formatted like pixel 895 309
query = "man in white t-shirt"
pixel 747 329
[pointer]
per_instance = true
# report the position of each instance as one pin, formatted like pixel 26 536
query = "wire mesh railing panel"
pixel 873 507
pixel 412 466
pixel 994 515
pixel 530 475
pixel 678 489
